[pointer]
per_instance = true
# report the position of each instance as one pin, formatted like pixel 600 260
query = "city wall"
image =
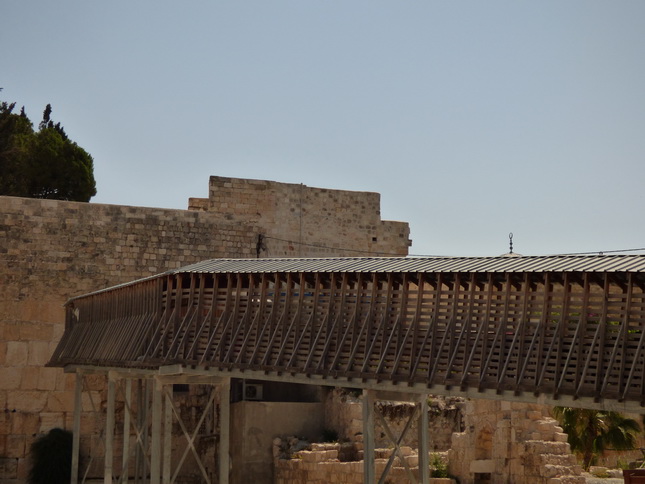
pixel 53 250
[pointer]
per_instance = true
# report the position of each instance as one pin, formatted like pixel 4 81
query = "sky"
pixel 471 118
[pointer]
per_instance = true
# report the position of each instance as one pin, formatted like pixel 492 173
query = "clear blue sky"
pixel 471 118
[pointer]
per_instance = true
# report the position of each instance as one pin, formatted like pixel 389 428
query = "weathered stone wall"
pixel 344 415
pixel 256 424
pixel 53 250
pixel 302 221
pixel 511 442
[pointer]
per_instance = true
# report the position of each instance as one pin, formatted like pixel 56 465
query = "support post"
pixel 155 450
pixel 109 432
pixel 224 430
pixel 76 439
pixel 167 437
pixel 423 424
pixel 126 431
pixel 368 438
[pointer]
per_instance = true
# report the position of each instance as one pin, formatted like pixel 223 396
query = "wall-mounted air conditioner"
pixel 252 391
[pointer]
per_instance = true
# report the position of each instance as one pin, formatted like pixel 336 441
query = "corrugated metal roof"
pixel 499 264
pixel 596 263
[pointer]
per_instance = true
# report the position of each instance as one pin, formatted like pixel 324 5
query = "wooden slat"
pixel 578 335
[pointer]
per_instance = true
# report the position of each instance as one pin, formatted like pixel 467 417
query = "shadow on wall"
pixel 51 458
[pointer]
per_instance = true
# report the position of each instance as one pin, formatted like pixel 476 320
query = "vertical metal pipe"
pixel 423 424
pixel 368 437
pixel 138 455
pixel 224 430
pixel 76 439
pixel 155 445
pixel 167 439
pixel 109 432
pixel 126 430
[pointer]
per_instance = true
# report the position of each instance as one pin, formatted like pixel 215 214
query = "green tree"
pixel 43 163
pixel 592 431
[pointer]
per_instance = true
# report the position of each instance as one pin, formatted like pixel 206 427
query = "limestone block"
pixel 11 331
pixel 560 437
pixel 47 378
pixel 599 471
pixel 23 469
pixel 553 471
pixel 60 402
pixel 36 332
pixel 51 420
pixel 406 450
pixel 534 415
pixel 5 423
pixel 39 353
pixel 25 423
pixel 27 401
pixel 8 466
pixel 9 378
pixel 17 353
pixel 482 466
pixel 29 380
pixel 16 446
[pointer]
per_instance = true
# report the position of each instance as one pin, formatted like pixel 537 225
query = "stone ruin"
pixel 511 442
pixel 342 463
pixel 480 441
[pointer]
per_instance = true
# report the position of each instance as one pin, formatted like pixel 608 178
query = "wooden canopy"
pixel 561 329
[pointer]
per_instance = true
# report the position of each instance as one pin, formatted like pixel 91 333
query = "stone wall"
pixel 256 424
pixel 511 442
pixel 302 221
pixel 344 415
pixel 53 250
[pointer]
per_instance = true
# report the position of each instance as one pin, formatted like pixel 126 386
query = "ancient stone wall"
pixel 302 221
pixel 511 442
pixel 344 416
pixel 53 250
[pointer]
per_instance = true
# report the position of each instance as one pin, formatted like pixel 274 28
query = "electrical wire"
pixel 320 246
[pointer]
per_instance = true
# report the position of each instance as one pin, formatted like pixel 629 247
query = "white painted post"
pixel 369 476
pixel 109 432
pixel 224 430
pixel 155 451
pixel 424 473
pixel 76 439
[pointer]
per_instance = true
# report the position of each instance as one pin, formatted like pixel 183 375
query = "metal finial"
pixel 510 242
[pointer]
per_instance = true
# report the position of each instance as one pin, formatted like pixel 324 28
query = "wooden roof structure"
pixel 560 329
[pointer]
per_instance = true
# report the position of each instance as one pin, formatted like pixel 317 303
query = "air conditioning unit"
pixel 252 391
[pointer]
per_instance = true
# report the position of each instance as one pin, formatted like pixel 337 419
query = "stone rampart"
pixel 53 250
pixel 302 221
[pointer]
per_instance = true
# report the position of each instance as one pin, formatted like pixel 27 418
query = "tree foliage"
pixel 593 431
pixel 43 163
